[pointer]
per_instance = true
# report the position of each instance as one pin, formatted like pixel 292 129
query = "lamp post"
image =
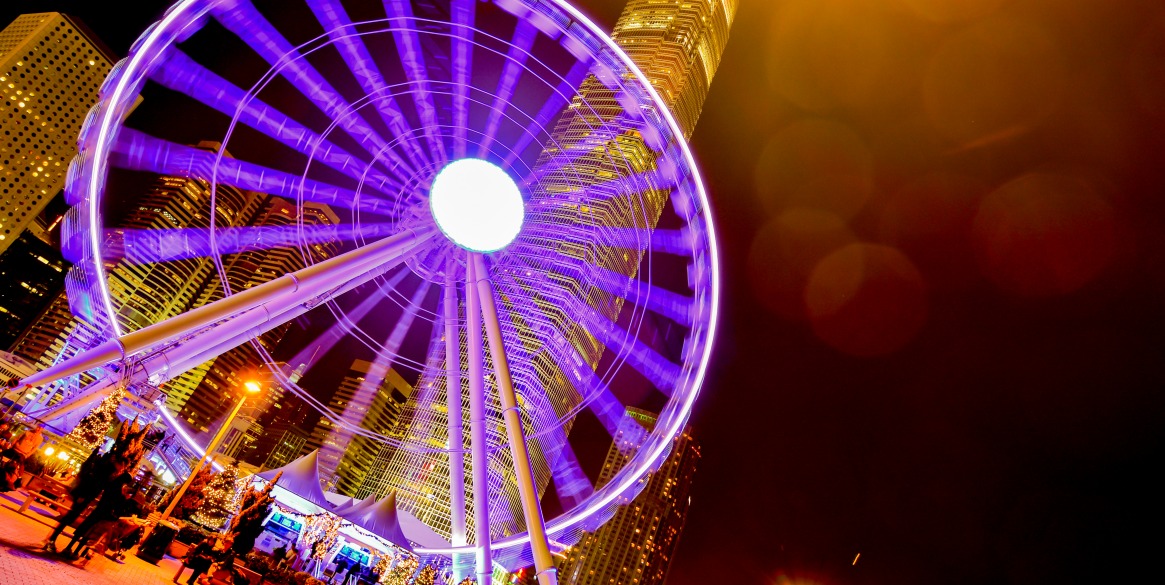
pixel 252 388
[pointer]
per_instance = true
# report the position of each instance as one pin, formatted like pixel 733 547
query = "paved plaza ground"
pixel 23 563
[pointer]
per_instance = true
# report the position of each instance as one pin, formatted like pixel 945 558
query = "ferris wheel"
pixel 490 197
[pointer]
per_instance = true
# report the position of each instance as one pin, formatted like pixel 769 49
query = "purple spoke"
pixel 656 368
pixel 601 400
pixel 654 179
pixel 462 18
pixel 520 45
pixel 313 352
pixel 660 301
pixel 145 246
pixel 570 482
pixel 335 19
pixel 244 20
pixel 340 435
pixel 553 106
pixel 136 151
pixel 182 74
pixel 678 242
pixel 413 58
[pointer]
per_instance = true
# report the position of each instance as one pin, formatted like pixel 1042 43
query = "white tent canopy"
pixel 380 519
pixel 301 478
pixel 299 487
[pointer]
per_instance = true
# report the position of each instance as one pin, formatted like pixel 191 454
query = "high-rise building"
pixel 346 457
pixel 13 367
pixel 280 444
pixel 202 395
pixel 677 44
pixel 50 71
pixel 636 546
pixel 32 272
pixel 146 290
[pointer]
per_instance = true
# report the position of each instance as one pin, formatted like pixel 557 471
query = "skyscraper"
pixel 50 71
pixel 146 291
pixel 155 276
pixel 31 274
pixel 205 393
pixel 345 457
pixel 636 546
pixel 678 44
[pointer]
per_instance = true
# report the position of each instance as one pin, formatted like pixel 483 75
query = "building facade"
pixel 50 71
pixel 345 457
pixel 677 44
pixel 32 273
pixel 637 545
pixel 156 276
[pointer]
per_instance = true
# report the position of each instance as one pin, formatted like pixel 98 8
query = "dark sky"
pixel 942 338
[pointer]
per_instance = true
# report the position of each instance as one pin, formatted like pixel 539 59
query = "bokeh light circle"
pixel 866 300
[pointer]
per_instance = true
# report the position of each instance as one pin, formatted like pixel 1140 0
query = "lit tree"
pixel 427 576
pixel 94 426
pixel 193 497
pixel 400 574
pixel 254 506
pixel 218 499
pixel 320 533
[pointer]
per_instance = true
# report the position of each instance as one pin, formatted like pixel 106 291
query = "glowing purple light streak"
pixel 182 74
pixel 567 158
pixel 462 13
pixel 409 47
pixel 662 373
pixel 570 482
pixel 316 350
pixel 598 396
pixel 136 151
pixel 244 20
pixel 335 20
pixel 520 44
pixel 553 106
pixel 143 246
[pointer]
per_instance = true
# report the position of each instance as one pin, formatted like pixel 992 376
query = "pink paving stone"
pixel 23 563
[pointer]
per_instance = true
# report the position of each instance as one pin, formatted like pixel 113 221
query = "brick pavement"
pixel 23 563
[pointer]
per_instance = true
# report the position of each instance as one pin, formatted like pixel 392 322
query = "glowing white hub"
pixel 477 205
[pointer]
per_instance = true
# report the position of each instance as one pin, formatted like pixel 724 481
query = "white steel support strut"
pixel 161 365
pixel 300 286
pixel 453 407
pixel 535 524
pixel 475 355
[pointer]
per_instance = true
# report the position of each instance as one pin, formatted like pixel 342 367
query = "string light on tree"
pixel 427 576
pixel 400 574
pixel 92 429
pixel 218 499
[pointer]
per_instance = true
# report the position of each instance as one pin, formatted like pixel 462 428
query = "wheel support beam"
pixel 299 286
pixel 453 407
pixel 475 355
pixel 527 490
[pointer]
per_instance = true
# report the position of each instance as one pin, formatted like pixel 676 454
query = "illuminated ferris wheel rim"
pixel 129 77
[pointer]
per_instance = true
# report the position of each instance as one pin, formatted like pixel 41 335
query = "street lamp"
pixel 252 387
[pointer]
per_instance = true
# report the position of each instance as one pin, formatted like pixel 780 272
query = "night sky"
pixel 941 343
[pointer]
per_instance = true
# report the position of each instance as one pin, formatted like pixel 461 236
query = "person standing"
pixel 91 481
pixel 341 567
pixel 290 559
pixel 353 574
pixel 26 444
pixel 113 501
pixel 198 559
